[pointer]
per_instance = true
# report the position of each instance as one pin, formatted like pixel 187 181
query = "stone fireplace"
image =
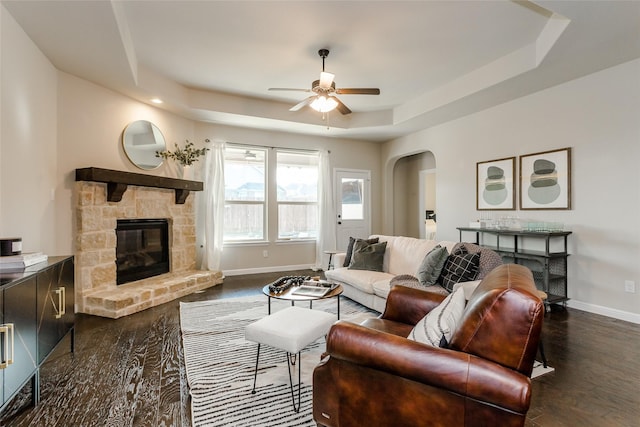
pixel 95 255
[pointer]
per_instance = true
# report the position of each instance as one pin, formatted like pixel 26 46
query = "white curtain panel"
pixel 326 239
pixel 214 207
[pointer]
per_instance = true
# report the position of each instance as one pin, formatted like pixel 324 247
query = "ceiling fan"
pixel 324 99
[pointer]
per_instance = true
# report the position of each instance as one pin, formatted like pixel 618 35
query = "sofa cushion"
pixel 404 254
pixel 367 256
pixel 362 280
pixel 437 327
pixel 461 266
pixel 431 266
pixel 352 241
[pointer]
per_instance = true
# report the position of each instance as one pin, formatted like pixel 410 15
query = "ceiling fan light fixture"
pixel 324 104
pixel 326 79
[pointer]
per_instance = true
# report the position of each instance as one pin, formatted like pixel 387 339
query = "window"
pixel 245 194
pixel 297 195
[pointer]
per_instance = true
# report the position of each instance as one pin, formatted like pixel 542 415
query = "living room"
pixel 54 121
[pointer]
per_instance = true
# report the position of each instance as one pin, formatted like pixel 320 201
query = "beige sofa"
pixel 403 256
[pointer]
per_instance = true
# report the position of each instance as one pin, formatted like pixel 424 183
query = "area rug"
pixel 220 364
pixel 539 369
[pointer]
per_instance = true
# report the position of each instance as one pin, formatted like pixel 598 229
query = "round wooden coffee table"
pixel 289 296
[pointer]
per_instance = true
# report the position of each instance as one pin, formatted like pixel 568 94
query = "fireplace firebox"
pixel 142 249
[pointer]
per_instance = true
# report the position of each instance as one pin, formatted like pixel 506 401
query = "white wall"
pixel 90 124
pixel 28 164
pixel 598 116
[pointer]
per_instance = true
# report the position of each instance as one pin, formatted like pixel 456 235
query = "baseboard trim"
pixel 258 270
pixel 605 311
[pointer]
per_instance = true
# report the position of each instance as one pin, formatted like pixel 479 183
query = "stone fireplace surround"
pixel 95 253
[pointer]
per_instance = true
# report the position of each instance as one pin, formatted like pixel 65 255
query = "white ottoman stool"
pixel 291 330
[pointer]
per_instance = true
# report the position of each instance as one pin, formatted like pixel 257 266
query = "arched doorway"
pixel 414 187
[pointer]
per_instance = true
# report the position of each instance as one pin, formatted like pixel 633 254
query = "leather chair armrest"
pixel 446 369
pixel 409 305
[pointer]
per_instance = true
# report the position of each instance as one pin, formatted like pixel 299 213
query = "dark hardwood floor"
pixel 129 371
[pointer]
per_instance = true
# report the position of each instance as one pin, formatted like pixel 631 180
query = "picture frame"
pixel 545 180
pixel 496 185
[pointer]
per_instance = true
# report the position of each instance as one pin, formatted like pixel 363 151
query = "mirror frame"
pixel 140 141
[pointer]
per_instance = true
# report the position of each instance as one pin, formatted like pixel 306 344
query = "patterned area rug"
pixel 220 363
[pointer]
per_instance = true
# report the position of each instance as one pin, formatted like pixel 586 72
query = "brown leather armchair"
pixel 374 376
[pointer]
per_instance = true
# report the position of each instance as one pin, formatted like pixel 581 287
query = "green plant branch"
pixel 185 156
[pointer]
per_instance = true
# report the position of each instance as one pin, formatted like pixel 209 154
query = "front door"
pixel 353 205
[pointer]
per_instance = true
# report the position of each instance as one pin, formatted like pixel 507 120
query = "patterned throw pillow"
pixel 352 240
pixel 489 259
pixel 461 266
pixel 438 326
pixel 367 256
pixel 432 265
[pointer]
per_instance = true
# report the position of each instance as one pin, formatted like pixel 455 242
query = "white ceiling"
pixel 432 60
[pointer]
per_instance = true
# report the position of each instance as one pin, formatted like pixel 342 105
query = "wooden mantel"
pixel 117 182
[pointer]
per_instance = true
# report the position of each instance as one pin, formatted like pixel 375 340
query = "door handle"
pixel 62 299
pixel 7 354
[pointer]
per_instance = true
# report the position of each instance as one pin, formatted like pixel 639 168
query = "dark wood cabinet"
pixel 19 340
pixel 36 312
pixel 55 302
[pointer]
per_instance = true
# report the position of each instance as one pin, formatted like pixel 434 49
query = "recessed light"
pixel 156 100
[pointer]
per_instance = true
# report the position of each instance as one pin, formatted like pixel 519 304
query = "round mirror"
pixel 140 140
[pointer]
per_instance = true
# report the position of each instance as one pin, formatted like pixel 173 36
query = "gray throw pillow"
pixel 352 241
pixel 367 256
pixel 432 265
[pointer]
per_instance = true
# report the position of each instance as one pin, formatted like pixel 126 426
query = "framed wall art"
pixel 545 180
pixel 495 185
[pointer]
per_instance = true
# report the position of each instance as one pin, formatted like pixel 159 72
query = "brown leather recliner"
pixel 374 376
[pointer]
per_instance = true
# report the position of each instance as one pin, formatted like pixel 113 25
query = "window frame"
pixel 264 202
pixel 279 203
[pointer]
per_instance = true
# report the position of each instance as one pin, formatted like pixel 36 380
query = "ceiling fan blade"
pixel 289 89
pixel 326 79
pixel 302 104
pixel 341 107
pixel 358 91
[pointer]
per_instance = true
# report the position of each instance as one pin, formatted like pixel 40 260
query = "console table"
pixel 36 312
pixel 548 265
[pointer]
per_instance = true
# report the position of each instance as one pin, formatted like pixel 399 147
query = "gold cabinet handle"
pixel 62 299
pixel 7 354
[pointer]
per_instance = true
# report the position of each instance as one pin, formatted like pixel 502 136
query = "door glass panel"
pixel 352 203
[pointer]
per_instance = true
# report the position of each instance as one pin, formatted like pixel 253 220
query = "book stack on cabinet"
pixel 22 261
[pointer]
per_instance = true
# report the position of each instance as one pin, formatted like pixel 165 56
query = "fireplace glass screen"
pixel 142 249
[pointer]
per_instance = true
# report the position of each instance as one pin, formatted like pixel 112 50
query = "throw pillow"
pixel 438 326
pixel 432 265
pixel 489 259
pixel 461 266
pixel 352 240
pixel 367 256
